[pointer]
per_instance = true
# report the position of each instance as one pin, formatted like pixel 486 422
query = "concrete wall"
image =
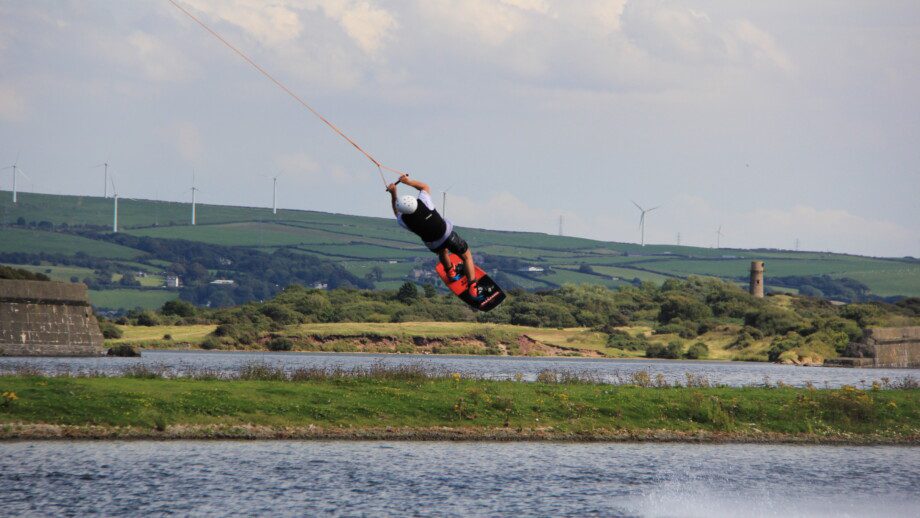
pixel 40 318
pixel 897 347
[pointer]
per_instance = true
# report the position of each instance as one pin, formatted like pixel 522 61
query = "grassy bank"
pixel 442 338
pixel 407 404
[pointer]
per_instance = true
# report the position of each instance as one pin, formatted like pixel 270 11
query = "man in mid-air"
pixel 418 215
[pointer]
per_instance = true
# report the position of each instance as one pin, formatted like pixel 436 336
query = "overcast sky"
pixel 777 120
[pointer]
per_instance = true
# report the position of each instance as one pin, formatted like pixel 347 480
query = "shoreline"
pixel 12 432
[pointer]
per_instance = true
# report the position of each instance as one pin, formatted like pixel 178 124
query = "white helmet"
pixel 406 204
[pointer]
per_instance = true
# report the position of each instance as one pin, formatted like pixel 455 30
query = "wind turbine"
pixel 719 236
pixel 115 215
pixel 194 191
pixel 642 219
pixel 16 171
pixel 444 201
pixel 105 183
pixel 275 193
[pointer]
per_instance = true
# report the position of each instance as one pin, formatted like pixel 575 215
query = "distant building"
pixel 392 261
pixel 223 282
pixel 534 269
pixel 320 286
pixel 419 273
pixel 172 281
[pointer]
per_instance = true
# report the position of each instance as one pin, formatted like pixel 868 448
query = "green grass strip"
pixel 356 403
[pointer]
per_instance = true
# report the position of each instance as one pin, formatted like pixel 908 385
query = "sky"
pixel 776 121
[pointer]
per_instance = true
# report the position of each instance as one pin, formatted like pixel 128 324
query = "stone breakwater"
pixel 42 318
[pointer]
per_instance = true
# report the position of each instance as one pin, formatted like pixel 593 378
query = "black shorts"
pixel 454 243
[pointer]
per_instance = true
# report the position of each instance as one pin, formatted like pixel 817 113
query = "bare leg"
pixel 444 257
pixel 469 266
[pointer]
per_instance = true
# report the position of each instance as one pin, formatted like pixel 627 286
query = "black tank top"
pixel 426 223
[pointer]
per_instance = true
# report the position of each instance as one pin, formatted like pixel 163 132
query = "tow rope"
pixel 380 166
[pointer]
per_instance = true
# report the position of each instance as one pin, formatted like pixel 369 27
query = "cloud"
pixel 271 24
pixel 12 104
pixel 759 44
pixel 680 34
pixel 331 45
pixel 185 138
pixel 370 27
pixel 298 164
pixel 475 22
pixel 158 60
pixel 279 24
pixel 306 170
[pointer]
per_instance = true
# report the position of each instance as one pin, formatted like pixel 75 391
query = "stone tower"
pixel 757 279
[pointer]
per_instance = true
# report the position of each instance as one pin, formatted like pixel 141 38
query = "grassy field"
pixel 58 273
pixel 406 400
pixel 126 298
pixel 244 234
pixel 193 334
pixel 359 241
pixel 37 241
pixel 896 281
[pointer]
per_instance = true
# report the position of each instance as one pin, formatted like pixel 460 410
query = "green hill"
pixel 42 230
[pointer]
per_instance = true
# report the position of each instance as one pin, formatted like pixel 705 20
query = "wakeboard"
pixel 490 294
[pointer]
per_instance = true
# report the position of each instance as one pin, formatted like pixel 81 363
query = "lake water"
pixel 230 478
pixel 496 367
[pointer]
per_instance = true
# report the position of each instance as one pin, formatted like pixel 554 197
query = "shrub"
pixel 242 333
pixel 211 343
pixel 697 351
pixel 672 351
pixel 781 344
pixel 773 320
pixel 180 308
pixel 741 341
pixel 863 314
pixel 110 330
pixel 167 336
pixel 280 344
pixel 124 350
pixel 280 314
pixel 147 319
pixel 407 293
pixel 675 350
pixel 684 307
pixel 622 340
pixel 836 341
pixel 682 328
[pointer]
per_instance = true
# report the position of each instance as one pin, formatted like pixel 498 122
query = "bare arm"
pixel 392 190
pixel 422 186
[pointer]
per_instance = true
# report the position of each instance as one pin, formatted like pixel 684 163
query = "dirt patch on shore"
pixel 39 431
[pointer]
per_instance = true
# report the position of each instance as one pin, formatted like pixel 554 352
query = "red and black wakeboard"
pixel 490 294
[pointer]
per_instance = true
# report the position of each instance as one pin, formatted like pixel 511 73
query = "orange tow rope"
pixel 297 98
